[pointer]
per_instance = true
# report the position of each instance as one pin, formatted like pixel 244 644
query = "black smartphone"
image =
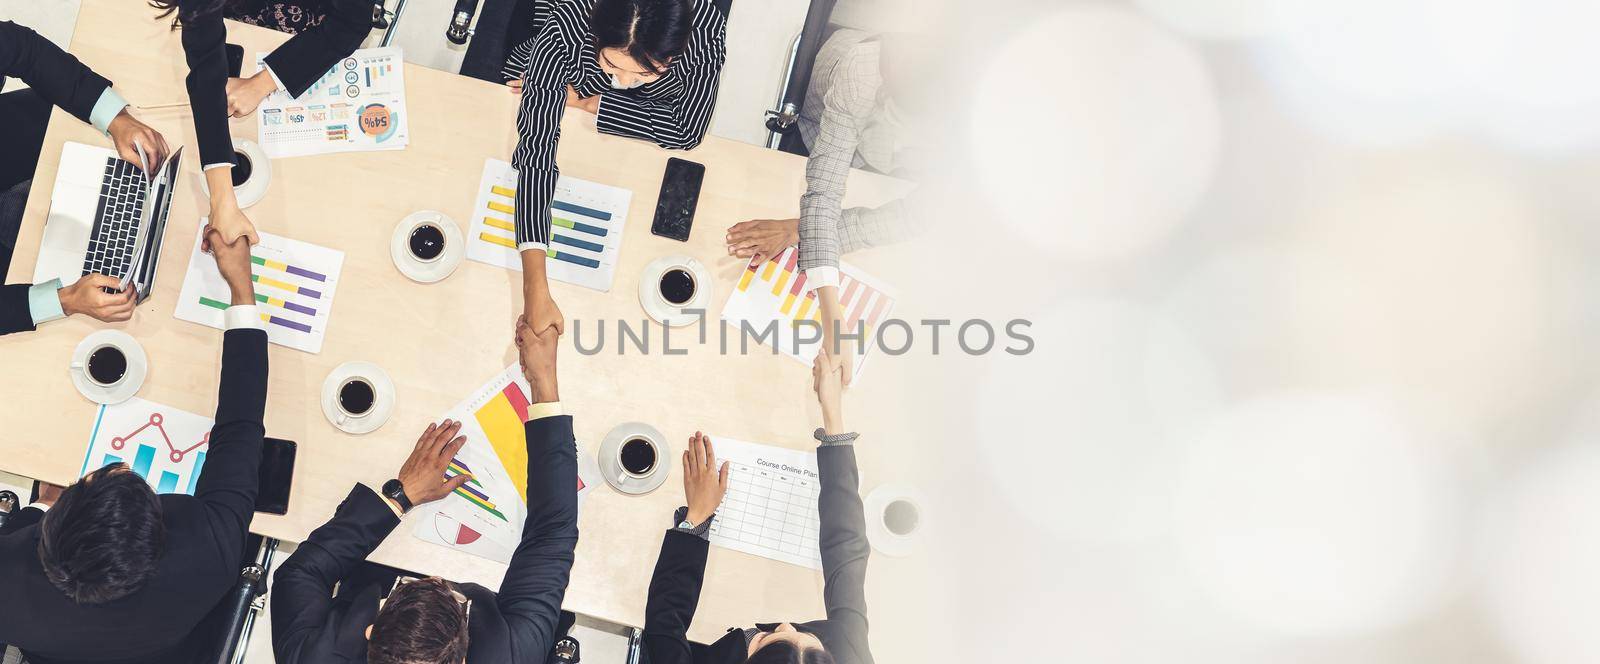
pixel 235 59
pixel 276 476
pixel 680 193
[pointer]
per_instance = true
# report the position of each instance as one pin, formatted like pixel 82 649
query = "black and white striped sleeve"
pixel 679 121
pixel 544 95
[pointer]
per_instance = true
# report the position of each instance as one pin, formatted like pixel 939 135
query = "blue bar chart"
pixel 167 445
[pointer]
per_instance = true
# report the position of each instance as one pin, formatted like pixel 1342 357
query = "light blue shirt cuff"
pixel 106 110
pixel 44 304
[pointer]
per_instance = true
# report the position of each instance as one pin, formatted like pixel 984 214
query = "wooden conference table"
pixel 439 342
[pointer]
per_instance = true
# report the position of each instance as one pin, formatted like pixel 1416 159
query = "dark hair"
pixel 420 622
pixel 785 652
pixel 101 540
pixel 188 10
pixel 651 31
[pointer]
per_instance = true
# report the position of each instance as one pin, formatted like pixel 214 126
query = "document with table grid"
pixel 770 509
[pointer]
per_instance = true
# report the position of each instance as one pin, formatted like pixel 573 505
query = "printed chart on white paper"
pixel 359 105
pixel 295 282
pixel 586 224
pixel 770 509
pixel 164 445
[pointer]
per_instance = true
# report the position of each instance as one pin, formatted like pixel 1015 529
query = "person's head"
pixel 101 540
pixel 191 10
pixel 421 622
pixel 636 40
pixel 787 645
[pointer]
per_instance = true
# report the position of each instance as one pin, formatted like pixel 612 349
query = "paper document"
pixel 164 445
pixel 770 509
pixel 359 105
pixel 294 282
pixel 587 220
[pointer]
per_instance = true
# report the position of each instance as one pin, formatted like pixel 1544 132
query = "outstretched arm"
pixel 843 537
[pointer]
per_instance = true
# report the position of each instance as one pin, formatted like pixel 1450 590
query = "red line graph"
pixel 173 453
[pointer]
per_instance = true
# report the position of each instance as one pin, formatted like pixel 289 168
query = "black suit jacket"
pixel 517 625
pixel 15 316
pixel 200 559
pixel 299 62
pixel 681 567
pixel 54 74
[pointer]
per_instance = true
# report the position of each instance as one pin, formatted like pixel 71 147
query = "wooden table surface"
pixel 439 342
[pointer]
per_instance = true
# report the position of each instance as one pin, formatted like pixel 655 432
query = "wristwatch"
pixel 396 491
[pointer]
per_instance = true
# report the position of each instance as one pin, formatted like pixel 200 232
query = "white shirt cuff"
pixel 534 246
pixel 39 506
pixel 44 302
pixel 106 109
pixel 275 80
pixel 242 317
pixel 818 277
pixel 208 167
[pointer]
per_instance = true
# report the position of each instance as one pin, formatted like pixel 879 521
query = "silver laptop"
pixel 105 217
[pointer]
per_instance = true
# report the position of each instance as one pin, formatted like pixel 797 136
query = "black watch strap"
pixel 396 491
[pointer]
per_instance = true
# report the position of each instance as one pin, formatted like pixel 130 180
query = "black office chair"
pixel 218 637
pixel 813 35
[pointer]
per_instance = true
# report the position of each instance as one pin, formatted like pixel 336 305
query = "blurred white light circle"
pixel 1079 434
pixel 1542 572
pixel 1095 132
pixel 1313 515
pixel 1225 19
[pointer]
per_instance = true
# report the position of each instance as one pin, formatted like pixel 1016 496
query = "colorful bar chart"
pixel 775 290
pixel 295 282
pixel 502 421
pixel 586 224
pixel 167 445
pixel 473 490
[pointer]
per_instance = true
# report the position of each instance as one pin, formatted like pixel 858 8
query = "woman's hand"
pixel 762 238
pixel 703 483
pixel 245 94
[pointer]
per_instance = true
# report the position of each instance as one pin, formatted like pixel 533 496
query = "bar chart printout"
pixel 485 516
pixel 294 283
pixel 775 290
pixel 586 224
pixel 770 509
pixel 164 445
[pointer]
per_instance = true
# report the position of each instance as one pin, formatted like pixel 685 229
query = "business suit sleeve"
pixel 674 594
pixel 536 578
pixel 302 588
pixel 14 313
pixel 303 59
pixel 204 47
pixel 227 485
pixel 54 74
pixel 551 62
pixel 844 547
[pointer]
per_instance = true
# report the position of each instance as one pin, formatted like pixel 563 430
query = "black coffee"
pixel 241 168
pixel 356 397
pixel 638 456
pixel 107 365
pixel 677 286
pixel 427 242
pixel 900 517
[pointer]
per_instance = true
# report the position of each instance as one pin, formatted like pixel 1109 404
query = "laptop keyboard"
pixel 116 219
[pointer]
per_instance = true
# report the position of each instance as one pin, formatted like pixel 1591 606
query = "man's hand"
pixel 125 132
pixel 827 380
pixel 233 261
pixel 422 475
pixel 762 237
pixel 703 483
pixel 536 352
pixel 85 297
pixel 227 218
pixel 590 104
pixel 245 94
pixel 49 493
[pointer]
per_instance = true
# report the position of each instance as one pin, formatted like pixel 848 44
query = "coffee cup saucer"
pixel 255 188
pixel 138 366
pixel 420 271
pixel 886 541
pixel 382 403
pixel 611 466
pixel 667 313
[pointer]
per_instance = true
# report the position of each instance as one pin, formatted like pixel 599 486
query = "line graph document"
pixel 770 509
